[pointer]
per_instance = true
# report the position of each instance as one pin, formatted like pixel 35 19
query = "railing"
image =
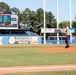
pixel 53 40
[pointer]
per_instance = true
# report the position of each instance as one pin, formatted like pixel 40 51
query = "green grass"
pixel 18 45
pixel 48 73
pixel 27 56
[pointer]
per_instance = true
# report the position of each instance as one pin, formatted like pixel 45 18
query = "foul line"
pixel 36 68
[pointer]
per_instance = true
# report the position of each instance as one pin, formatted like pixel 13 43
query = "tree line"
pixel 33 20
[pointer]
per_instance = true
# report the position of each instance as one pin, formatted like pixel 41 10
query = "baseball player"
pixel 67 37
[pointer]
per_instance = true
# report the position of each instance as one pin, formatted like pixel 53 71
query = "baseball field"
pixel 37 60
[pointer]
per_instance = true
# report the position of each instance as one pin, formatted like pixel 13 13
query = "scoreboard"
pixel 5 18
pixel 8 21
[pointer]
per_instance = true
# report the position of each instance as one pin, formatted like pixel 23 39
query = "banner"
pixel 23 40
pixel 11 40
pixel 47 30
pixel 0 40
pixel 72 30
pixel 34 40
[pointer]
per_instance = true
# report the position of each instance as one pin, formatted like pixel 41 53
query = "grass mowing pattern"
pixel 27 56
pixel 49 73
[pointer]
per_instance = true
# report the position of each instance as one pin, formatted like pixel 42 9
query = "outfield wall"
pixel 33 40
pixel 20 40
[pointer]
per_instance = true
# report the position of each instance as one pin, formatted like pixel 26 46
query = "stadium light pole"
pixel 57 24
pixel 70 14
pixel 44 22
pixel 71 18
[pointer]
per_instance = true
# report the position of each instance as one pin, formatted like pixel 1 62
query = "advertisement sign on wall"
pixel 23 40
pixel 72 30
pixel 47 30
pixel 0 40
pixel 34 40
pixel 11 40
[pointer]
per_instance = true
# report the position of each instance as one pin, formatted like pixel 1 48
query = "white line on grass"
pixel 36 68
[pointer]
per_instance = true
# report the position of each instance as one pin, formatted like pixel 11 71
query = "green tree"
pixel 74 22
pixel 74 25
pixel 50 20
pixel 39 15
pixel 63 24
pixel 33 19
pixel 14 9
pixel 5 7
pixel 26 15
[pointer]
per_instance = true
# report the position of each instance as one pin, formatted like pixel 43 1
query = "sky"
pixel 63 7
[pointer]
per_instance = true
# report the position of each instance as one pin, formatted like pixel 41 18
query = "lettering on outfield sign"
pixel 23 40
pixel 0 40
pixel 47 30
pixel 11 40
